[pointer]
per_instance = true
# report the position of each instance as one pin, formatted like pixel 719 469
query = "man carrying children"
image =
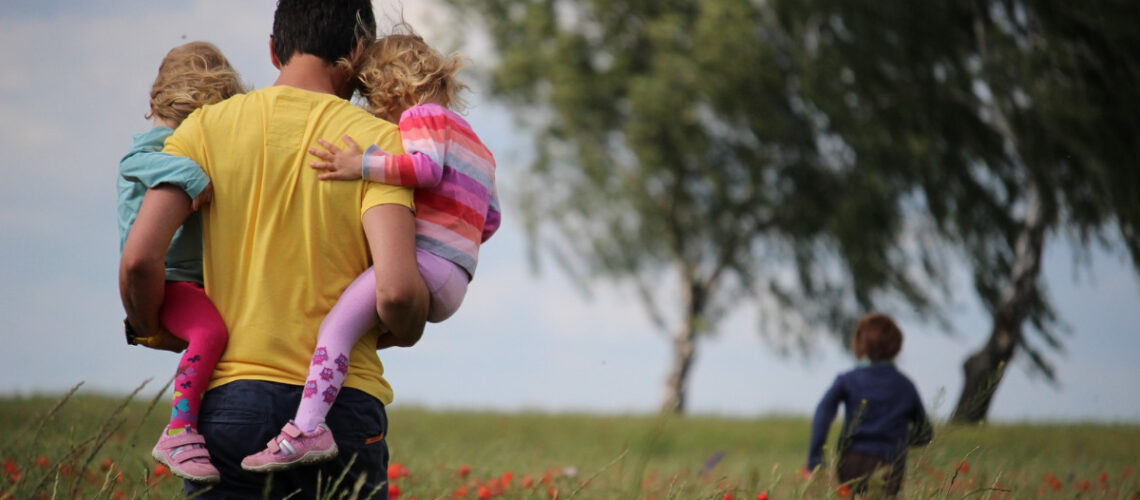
pixel 279 247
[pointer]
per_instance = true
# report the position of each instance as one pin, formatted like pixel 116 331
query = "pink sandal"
pixel 293 447
pixel 186 456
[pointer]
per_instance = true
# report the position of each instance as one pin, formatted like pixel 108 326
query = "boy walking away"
pixel 883 413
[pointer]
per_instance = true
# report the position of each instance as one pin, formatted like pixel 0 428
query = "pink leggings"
pixel 189 315
pixel 352 315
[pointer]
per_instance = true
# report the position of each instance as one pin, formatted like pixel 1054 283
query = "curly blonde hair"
pixel 399 71
pixel 191 76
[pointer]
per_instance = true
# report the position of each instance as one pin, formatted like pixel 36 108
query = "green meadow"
pixel 92 446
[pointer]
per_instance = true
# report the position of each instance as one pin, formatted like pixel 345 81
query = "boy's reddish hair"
pixel 877 338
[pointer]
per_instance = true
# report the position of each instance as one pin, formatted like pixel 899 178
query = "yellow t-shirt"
pixel 279 246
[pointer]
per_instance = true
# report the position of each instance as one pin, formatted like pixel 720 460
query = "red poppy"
pixel 397 470
pixel 763 495
pixel 393 491
pixel 43 461
pixel 464 470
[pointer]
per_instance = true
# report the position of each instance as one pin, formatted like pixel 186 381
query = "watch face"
pixel 131 335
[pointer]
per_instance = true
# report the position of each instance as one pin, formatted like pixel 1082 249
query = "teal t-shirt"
pixel 146 166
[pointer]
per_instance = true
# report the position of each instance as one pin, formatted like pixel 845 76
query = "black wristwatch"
pixel 131 333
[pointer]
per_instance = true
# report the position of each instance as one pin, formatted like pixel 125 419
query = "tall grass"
pixel 96 446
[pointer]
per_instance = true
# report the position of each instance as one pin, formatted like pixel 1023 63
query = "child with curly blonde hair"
pixel 190 76
pixel 404 80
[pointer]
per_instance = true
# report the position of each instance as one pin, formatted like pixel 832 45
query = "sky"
pixel 74 90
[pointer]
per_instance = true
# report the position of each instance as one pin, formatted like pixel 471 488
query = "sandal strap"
pixel 189 454
pixel 185 438
pixel 291 430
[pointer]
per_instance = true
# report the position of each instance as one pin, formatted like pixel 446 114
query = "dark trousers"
pixel 239 418
pixel 857 468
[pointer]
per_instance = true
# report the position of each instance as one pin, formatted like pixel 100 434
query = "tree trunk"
pixel 676 385
pixel 684 350
pixel 985 368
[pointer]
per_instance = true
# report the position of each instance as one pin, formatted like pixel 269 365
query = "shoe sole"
pixel 158 457
pixel 309 458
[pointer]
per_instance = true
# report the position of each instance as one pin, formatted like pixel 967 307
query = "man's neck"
pixel 309 72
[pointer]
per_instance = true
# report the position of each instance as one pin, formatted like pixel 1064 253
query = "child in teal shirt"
pixel 190 76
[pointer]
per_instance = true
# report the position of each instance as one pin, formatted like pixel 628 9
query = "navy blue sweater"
pixel 891 418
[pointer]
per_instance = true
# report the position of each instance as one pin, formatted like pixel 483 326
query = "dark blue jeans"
pixel 239 418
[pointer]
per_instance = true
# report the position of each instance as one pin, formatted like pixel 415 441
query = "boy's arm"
pixel 919 432
pixel 401 295
pixel 821 423
pixel 142 268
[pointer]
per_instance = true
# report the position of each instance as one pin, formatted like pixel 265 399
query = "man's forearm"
pixel 142 267
pixel 141 286
pixel 401 295
pixel 404 315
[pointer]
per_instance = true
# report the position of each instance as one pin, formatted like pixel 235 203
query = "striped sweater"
pixel 457 205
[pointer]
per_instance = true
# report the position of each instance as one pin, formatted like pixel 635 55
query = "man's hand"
pixel 343 164
pixel 206 196
pixel 161 340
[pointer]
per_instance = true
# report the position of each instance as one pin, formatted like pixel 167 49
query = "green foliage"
pixel 673 146
pixel 823 158
pixel 971 106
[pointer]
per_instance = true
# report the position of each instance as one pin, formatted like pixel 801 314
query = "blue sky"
pixel 74 90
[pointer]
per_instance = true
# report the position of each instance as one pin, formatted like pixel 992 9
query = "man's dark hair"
pixel 328 29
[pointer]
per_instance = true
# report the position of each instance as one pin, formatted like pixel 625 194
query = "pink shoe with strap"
pixel 291 448
pixel 186 456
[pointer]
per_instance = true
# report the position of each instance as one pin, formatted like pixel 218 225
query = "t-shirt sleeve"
pixel 375 193
pixel 187 140
pixel 385 194
pixel 151 167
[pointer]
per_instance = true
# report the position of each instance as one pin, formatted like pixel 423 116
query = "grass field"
pixel 89 446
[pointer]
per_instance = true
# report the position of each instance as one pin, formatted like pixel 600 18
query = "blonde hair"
pixel 191 76
pixel 399 71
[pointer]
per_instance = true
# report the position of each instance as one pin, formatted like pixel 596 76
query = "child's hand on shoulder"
pixel 344 164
